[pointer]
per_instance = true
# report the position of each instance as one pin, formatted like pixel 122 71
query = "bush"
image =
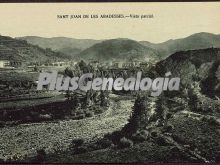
pixel 28 118
pixel 94 146
pixel 105 143
pixel 81 116
pixel 2 161
pixel 178 139
pixel 137 138
pixel 45 117
pixel 169 115
pixel 144 133
pixel 89 114
pixel 80 150
pixel 114 137
pixel 168 128
pixel 2 124
pixel 79 112
pixel 124 143
pixel 211 120
pixel 154 134
pixel 162 141
pixel 140 136
pixel 41 155
pixel 77 142
pixel 99 111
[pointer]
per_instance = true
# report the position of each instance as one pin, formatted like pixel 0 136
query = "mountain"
pixel 61 44
pixel 69 51
pixel 120 50
pixel 88 47
pixel 17 50
pixel 196 41
pixel 201 65
pixel 72 47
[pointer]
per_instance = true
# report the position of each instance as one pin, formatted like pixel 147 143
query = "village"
pixel 24 89
pixel 7 64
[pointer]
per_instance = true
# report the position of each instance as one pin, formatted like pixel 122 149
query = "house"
pixel 72 63
pixel 58 64
pixel 128 65
pixel 117 64
pixel 94 63
pixel 4 63
pixel 137 62
pixel 15 64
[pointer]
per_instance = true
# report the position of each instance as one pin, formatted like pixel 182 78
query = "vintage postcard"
pixel 134 82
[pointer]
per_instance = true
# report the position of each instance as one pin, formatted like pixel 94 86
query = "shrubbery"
pixel 124 143
pixel 211 120
pixel 77 146
pixel 81 116
pixel 114 137
pixel 41 156
pixel 80 150
pixel 140 136
pixel 154 134
pixel 89 114
pixel 77 142
pixel 105 143
pixel 168 128
pixel 162 141
pixel 98 111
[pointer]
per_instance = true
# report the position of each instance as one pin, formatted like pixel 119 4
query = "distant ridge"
pixel 60 43
pixel 196 41
pixel 119 50
pixel 81 47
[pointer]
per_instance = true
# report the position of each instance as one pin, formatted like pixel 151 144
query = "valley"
pixel 113 126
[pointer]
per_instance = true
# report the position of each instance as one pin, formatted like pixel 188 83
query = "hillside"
pixel 61 44
pixel 72 52
pixel 17 50
pixel 195 65
pixel 196 41
pixel 119 49
pixel 72 47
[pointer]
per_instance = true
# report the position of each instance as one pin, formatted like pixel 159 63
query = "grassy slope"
pixel 26 139
pixel 199 135
pixel 143 152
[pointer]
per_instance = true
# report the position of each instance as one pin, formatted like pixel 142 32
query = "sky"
pixel 170 20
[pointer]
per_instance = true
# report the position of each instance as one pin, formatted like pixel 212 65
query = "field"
pixel 24 140
pixel 192 140
pixel 44 126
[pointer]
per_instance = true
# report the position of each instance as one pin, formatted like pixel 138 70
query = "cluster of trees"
pixel 81 67
pixel 142 114
pixel 199 102
pixel 139 116
pixel 79 100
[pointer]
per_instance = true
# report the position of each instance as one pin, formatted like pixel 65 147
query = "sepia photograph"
pixel 131 82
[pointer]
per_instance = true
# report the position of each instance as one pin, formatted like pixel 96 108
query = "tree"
pixel 68 95
pixel 74 99
pixel 161 110
pixel 139 117
pixel 87 99
pixel 193 94
pixel 104 99
pixel 83 67
pixel 68 72
pixel 36 69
